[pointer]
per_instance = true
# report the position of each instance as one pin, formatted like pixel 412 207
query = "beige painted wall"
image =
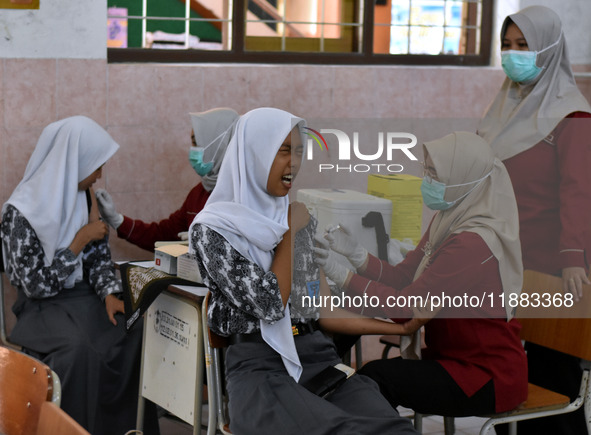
pixel 145 108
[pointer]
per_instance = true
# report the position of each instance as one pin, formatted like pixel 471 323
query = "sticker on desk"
pixel 172 328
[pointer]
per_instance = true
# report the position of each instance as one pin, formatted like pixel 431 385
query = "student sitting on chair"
pixel 57 256
pixel 242 240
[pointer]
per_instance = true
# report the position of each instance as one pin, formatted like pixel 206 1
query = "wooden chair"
pixel 27 387
pixel 567 330
pixel 55 421
pixel 217 403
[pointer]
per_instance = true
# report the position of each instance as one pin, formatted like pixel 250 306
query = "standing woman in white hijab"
pixel 212 131
pixel 56 254
pixel 539 125
pixel 243 243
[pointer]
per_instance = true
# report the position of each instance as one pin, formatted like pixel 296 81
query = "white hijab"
pixel 68 151
pixel 522 114
pixel 250 219
pixel 213 130
pixel 489 210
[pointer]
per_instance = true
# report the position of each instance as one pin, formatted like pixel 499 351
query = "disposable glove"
pixel 340 240
pixel 107 208
pixel 183 235
pixel 326 259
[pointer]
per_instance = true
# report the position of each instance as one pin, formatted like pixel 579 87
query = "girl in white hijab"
pixel 242 241
pixel 56 254
pixel 539 125
pixel 474 362
pixel 212 131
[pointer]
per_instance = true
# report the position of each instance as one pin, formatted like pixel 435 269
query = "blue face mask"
pixel 433 192
pixel 520 66
pixel 196 159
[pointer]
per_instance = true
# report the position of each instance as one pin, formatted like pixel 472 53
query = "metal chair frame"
pixel 542 331
pixel 551 333
pixel 214 345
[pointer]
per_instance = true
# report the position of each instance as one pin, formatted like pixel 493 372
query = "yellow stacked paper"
pixel 407 203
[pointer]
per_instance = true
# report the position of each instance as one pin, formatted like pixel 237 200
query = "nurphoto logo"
pixel 387 144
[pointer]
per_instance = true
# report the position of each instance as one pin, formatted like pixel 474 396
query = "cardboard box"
pixel 347 207
pixel 187 268
pixel 407 203
pixel 166 256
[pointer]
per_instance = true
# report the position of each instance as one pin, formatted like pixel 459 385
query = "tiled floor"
pixel 432 425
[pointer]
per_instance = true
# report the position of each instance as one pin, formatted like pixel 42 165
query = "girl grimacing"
pixel 243 243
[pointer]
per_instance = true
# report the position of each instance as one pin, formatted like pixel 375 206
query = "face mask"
pixel 520 66
pixel 196 154
pixel 196 159
pixel 433 192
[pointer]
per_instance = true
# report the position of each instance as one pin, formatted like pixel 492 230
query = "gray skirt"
pixel 264 399
pixel 97 362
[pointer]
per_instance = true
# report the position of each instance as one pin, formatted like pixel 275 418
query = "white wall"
pixel 575 15
pixel 70 29
pixel 502 8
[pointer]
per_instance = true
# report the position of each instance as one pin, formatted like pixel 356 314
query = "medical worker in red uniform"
pixel 474 362
pixel 539 125
pixel 212 131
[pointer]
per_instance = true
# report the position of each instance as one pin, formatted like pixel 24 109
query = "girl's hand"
pixel 413 325
pixel 113 305
pixel 422 315
pixel 96 230
pixel 88 233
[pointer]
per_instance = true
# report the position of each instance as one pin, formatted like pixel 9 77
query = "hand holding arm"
pixel 88 233
pixel 344 322
pixel 107 208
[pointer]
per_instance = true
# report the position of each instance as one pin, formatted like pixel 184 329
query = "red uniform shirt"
pixel 145 235
pixel 552 183
pixel 473 349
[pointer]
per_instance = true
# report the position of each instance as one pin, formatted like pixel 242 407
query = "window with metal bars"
pixel 422 32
